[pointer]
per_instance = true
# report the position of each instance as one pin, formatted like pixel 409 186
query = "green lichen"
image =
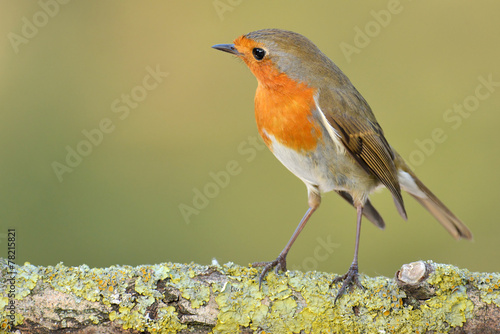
pixel 451 305
pixel 198 294
pixel 289 302
pixel 306 302
pixel 23 279
pixel 240 303
pixel 169 321
pixel 489 286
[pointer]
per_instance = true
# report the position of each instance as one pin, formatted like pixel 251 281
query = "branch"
pixel 181 298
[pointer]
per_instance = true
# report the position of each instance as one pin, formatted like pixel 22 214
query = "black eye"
pixel 258 53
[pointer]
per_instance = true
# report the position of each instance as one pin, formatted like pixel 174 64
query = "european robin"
pixel 320 127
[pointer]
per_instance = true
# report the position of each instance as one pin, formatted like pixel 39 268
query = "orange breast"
pixel 283 109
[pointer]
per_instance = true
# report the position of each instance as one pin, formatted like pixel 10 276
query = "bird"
pixel 320 127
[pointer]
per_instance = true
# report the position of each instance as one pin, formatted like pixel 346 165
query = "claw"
pixel 278 264
pixel 350 279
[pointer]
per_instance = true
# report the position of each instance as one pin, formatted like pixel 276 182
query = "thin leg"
pixel 351 277
pixel 280 262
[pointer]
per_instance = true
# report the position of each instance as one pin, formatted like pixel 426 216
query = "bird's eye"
pixel 258 53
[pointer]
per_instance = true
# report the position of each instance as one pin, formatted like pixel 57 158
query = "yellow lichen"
pixel 287 303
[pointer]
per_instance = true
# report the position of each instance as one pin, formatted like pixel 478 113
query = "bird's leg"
pixel 280 262
pixel 351 277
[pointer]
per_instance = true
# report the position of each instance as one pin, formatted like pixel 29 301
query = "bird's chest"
pixel 287 115
pixel 291 128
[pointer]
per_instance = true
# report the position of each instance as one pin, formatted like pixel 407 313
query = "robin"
pixel 320 127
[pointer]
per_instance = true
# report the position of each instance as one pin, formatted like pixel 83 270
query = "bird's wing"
pixel 347 112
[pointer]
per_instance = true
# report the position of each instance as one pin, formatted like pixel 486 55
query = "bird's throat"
pixel 284 112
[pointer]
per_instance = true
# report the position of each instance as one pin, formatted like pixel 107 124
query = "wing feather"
pixel 349 114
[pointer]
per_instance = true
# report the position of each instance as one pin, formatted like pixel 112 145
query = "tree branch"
pixel 180 298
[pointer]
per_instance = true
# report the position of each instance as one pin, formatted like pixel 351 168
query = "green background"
pixel 120 205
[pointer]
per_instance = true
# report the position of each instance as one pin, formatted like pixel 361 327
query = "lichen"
pixel 191 289
pixel 306 302
pixel 488 285
pixel 451 304
pixel 240 303
pixel 288 302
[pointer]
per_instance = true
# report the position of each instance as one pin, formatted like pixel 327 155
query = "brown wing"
pixel 349 114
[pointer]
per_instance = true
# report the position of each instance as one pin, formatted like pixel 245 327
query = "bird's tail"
pixel 410 183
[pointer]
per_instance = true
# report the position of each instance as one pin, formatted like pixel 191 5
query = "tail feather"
pixel 369 210
pixel 410 183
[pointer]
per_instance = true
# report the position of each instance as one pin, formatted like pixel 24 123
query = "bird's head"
pixel 271 53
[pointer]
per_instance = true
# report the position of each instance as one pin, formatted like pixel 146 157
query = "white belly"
pixel 325 168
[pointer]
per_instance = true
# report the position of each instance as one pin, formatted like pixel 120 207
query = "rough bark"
pixel 423 297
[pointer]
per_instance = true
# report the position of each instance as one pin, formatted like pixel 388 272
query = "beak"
pixel 229 48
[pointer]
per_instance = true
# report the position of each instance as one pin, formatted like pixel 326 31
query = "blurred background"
pixel 126 139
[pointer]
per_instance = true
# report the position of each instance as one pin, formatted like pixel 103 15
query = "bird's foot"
pixel 278 264
pixel 350 278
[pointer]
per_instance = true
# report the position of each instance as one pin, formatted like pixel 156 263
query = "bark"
pixel 423 297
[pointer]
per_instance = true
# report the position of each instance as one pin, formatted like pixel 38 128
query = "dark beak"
pixel 229 48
